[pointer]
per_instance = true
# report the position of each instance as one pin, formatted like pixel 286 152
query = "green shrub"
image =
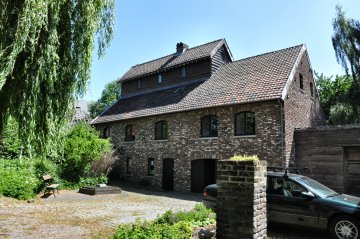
pixel 87 181
pixel 199 216
pixel 82 147
pixel 18 179
pixel 146 230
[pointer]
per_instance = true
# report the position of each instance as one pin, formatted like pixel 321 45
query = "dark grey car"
pixel 299 200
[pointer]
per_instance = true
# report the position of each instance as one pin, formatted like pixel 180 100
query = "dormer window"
pixel 159 78
pixel 183 72
pixel 139 84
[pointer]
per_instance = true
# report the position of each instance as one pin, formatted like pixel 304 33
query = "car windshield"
pixel 317 187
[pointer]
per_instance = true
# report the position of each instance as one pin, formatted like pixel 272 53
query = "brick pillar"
pixel 241 211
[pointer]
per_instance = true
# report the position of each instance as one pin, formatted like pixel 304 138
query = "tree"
pixel 346 43
pixel 109 96
pixel 45 58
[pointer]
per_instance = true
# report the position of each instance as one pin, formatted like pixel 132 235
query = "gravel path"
pixel 75 215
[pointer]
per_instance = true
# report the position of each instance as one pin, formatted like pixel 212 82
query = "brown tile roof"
pixel 172 60
pixel 258 78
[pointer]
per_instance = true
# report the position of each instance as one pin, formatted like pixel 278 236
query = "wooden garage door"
pixel 352 170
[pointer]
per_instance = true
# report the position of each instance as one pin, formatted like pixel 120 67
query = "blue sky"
pixel 146 30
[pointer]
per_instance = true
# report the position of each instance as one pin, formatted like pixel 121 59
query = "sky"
pixel 146 30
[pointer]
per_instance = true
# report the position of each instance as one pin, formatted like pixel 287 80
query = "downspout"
pixel 282 131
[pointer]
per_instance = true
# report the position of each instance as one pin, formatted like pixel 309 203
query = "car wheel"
pixel 344 227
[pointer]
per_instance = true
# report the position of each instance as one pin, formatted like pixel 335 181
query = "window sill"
pixel 302 91
pixel 245 136
pixel 129 142
pixel 161 140
pixel 129 174
pixel 209 137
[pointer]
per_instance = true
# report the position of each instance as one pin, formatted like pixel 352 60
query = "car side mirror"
pixel 307 195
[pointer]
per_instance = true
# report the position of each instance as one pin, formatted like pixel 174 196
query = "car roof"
pixel 282 173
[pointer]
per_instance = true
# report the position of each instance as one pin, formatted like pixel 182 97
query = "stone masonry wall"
pixel 184 143
pixel 241 211
pixel 301 110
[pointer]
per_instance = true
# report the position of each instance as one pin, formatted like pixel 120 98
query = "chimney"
pixel 181 47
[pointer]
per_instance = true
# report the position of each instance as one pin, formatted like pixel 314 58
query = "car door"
pixel 286 203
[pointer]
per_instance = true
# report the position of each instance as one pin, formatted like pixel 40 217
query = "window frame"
pixel 151 167
pixel 159 79
pixel 210 128
pixel 128 166
pixel 164 135
pixel 301 79
pixel 106 132
pixel 246 133
pixel 132 136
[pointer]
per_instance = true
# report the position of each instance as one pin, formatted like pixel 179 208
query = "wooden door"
pixel 352 170
pixel 168 175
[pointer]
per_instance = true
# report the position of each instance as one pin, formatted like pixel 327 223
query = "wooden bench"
pixel 49 185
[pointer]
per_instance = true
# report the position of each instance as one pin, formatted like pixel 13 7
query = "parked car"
pixel 299 200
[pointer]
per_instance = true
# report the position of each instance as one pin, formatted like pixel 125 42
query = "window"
pixel 245 123
pixel 130 132
pixel 209 126
pixel 151 167
pixel 138 83
pixel 311 90
pixel 301 82
pixel 284 187
pixel 106 132
pixel 183 72
pixel 161 130
pixel 128 166
pixel 159 79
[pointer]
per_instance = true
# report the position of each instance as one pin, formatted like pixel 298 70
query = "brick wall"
pixel 301 110
pixel 184 143
pixel 241 211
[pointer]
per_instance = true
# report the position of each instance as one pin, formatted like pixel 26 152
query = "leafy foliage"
pixel 109 96
pixel 18 179
pixel 346 43
pixel 167 226
pixel 334 96
pixel 82 147
pixel 45 58
pixel 10 144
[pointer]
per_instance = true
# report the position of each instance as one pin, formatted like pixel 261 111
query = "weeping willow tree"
pixel 346 43
pixel 45 58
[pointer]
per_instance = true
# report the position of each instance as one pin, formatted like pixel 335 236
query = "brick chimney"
pixel 181 47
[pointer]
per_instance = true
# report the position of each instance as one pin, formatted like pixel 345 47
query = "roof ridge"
pixel 175 53
pixel 267 53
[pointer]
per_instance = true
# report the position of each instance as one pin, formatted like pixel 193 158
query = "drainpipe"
pixel 282 131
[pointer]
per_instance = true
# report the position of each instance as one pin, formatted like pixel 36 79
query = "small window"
pixel 161 130
pixel 311 89
pixel 151 167
pixel 245 123
pixel 209 126
pixel 106 132
pixel 139 84
pixel 128 166
pixel 130 133
pixel 223 56
pixel 159 79
pixel 183 72
pixel 301 82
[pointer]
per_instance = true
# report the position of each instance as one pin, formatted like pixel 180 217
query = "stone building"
pixel 179 114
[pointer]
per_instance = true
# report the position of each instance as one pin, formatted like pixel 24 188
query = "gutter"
pixel 282 131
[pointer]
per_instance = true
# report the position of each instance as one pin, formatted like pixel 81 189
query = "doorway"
pixel 168 175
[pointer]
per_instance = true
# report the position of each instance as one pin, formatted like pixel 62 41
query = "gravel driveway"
pixel 75 215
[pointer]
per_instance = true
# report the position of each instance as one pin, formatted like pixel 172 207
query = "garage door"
pixel 352 170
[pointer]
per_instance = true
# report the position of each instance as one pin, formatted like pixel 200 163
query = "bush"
pixel 199 216
pixel 168 226
pixel 18 179
pixel 145 230
pixel 82 147
pixel 88 181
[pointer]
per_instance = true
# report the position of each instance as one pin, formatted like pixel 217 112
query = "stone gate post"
pixel 241 212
